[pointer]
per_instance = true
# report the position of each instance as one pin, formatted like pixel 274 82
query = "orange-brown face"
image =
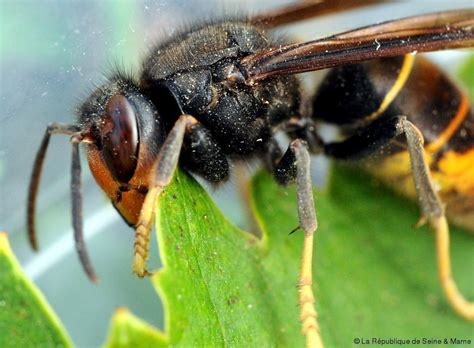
pixel 123 138
pixel 131 201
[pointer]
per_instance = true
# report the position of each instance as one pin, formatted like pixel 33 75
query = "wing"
pixel 308 9
pixel 431 32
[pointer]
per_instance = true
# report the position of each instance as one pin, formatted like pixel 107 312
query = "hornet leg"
pixel 164 168
pixel 379 134
pixel 295 164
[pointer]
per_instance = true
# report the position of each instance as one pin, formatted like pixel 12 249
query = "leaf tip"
pixel 128 330
pixel 4 244
pixel 121 313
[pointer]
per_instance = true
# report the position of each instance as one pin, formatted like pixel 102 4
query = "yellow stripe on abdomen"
pixel 449 131
pixel 405 70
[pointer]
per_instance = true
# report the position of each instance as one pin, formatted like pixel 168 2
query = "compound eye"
pixel 119 133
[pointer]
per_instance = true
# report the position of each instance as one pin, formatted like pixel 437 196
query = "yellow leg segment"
pixel 308 314
pixel 433 211
pixel 164 167
pixel 143 232
pixel 457 301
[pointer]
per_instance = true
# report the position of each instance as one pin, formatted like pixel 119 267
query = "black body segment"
pixel 201 70
pixel 203 156
pixel 350 93
pixel 285 169
pixel 202 46
pixel 359 97
pixel 368 141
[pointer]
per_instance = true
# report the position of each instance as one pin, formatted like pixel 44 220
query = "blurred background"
pixel 52 54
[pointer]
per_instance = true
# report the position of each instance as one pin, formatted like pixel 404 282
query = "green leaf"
pixel 126 330
pixel 375 275
pixel 466 73
pixel 26 319
pixel 222 286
